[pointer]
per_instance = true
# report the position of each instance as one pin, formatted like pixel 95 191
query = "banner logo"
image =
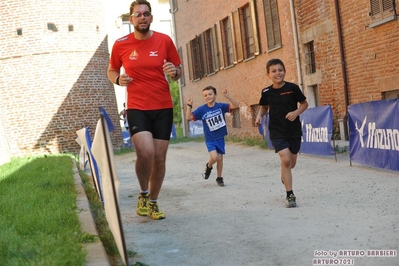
pixel 378 138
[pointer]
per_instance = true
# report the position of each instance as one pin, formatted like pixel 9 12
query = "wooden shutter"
pixel 190 61
pixel 238 38
pixel 375 9
pixel 272 24
pixel 380 9
pixel 215 48
pixel 233 38
pixel 219 45
pixel 254 27
pixel 202 46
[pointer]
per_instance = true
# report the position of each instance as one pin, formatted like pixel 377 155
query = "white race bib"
pixel 215 120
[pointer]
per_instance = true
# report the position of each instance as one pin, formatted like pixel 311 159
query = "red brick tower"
pixel 54 57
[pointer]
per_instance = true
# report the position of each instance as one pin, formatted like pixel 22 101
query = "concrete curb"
pixel 96 254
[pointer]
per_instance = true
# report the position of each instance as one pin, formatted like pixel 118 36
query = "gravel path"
pixel 340 208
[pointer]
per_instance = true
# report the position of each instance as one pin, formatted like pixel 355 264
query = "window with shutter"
pixel 215 48
pixel 209 52
pixel 204 69
pixel 190 61
pixel 255 27
pixel 310 62
pixel 196 57
pixel 238 36
pixel 219 37
pixel 382 11
pixel 249 31
pixel 227 42
pixel 272 24
pixel 233 39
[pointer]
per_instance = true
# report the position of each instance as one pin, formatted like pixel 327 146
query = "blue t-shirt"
pixel 213 120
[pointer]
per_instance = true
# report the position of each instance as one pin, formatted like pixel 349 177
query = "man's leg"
pixel 145 154
pixel 158 167
pixel 145 150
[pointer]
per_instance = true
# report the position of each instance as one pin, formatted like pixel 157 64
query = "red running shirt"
pixel 143 61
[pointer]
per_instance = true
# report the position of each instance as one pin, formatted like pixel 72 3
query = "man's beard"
pixel 138 29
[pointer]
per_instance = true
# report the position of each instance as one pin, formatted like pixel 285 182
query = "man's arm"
pixel 178 73
pixel 113 74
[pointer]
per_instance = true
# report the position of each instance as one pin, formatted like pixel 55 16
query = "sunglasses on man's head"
pixel 146 14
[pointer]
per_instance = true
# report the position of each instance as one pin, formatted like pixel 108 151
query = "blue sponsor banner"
pixel 196 128
pixel 374 134
pixel 173 134
pixel 264 130
pixel 317 127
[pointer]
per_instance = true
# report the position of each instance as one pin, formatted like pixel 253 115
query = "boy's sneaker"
pixel 207 172
pixel 291 201
pixel 155 213
pixel 219 181
pixel 142 204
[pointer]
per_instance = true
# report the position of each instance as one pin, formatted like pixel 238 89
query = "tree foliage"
pixel 174 89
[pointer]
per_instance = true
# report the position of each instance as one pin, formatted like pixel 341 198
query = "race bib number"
pixel 215 120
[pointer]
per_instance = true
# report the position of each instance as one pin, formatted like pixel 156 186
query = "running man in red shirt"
pixel 147 57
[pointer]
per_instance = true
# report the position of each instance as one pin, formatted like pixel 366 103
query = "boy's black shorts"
pixel 294 144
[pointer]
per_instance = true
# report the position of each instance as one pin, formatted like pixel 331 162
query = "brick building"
pixel 339 52
pixel 54 57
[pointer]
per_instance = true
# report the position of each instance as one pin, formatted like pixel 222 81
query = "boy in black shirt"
pixel 281 100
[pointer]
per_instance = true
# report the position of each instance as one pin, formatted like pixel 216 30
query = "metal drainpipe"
pixel 298 61
pixel 343 64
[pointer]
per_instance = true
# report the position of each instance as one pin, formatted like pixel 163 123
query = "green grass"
pixel 248 141
pixel 181 139
pixel 98 213
pixel 39 224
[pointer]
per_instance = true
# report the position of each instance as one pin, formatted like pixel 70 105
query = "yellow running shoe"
pixel 142 204
pixel 155 213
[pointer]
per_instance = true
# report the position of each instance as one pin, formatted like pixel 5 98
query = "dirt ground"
pixel 340 208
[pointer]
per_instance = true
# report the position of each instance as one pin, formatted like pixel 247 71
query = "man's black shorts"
pixel 158 122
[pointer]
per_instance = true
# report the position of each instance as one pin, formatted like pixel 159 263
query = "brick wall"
pixel 53 80
pixel 244 80
pixel 371 57
pixel 371 53
pixel 316 22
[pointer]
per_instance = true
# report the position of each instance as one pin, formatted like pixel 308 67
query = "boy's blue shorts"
pixel 217 145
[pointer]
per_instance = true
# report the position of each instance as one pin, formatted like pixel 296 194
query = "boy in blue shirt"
pixel 215 129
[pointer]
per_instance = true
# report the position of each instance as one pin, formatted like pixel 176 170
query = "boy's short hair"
pixel 273 62
pixel 210 88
